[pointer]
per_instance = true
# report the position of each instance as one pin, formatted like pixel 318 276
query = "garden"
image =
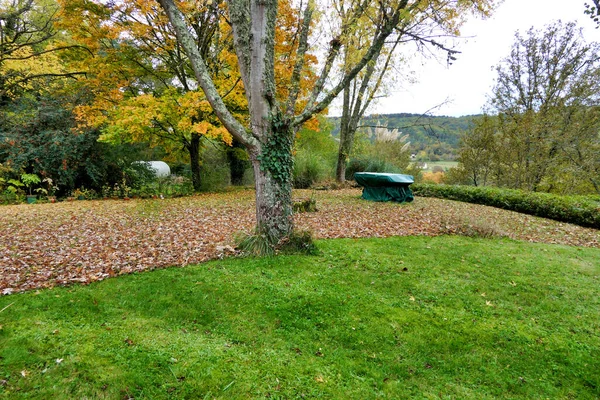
pixel 453 299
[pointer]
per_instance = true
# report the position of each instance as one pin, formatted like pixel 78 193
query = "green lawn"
pixel 444 164
pixel 412 317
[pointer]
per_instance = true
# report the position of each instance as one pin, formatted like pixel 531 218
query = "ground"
pixel 45 245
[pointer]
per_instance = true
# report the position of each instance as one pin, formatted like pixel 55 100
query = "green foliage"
pixel 544 136
pixel 276 157
pixel 259 244
pixel 38 136
pixel 215 169
pixel 309 168
pixel 579 210
pixel 305 205
pixel 369 164
pixel 29 180
pixel 432 138
pixel 11 191
pixel 397 318
pixel 315 156
pixel 298 242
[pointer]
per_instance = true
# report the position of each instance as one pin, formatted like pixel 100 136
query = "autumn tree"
pixel 546 94
pixel 423 31
pixel 29 47
pixel 478 155
pixel 269 135
pixel 143 85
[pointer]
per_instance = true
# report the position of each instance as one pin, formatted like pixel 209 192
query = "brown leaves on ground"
pixel 45 245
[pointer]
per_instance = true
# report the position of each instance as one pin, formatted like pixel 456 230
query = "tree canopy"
pixel 546 102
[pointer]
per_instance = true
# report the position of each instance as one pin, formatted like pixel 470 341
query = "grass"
pixel 444 164
pixel 413 317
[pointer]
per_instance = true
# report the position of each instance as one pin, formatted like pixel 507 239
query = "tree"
pixel 545 134
pixel 37 136
pixel 478 150
pixel 270 133
pixel 593 11
pixel 544 91
pixel 423 30
pixel 28 46
pixel 144 88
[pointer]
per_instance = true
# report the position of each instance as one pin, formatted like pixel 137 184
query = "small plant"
pixel 51 189
pixel 125 189
pixel 305 205
pixel 106 191
pixel 299 242
pixel 258 244
pixel 81 193
pixel 116 191
pixel 29 180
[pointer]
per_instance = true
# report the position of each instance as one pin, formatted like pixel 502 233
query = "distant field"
pixel 444 164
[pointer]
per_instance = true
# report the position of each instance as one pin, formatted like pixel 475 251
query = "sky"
pixel 469 80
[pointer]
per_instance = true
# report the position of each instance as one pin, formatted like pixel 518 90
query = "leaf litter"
pixel 46 245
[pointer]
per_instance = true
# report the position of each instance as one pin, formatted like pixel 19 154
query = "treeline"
pixel 432 138
pixel 543 133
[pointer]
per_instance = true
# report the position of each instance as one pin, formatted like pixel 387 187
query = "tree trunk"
pixel 273 194
pixel 345 139
pixel 194 150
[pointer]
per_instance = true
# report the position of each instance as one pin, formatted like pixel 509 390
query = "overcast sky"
pixel 467 82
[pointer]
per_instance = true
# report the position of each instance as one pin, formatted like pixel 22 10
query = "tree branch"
pixel 300 58
pixel 202 75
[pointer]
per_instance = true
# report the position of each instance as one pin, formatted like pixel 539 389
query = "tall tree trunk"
pixel 194 150
pixel 272 176
pixel 269 137
pixel 345 139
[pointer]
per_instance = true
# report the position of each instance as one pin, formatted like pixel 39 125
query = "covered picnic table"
pixel 385 186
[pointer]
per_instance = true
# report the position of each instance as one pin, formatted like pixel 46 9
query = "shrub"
pixel 305 205
pixel 579 210
pixel 309 168
pixel 433 177
pixel 369 164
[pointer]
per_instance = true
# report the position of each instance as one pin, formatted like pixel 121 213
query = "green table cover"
pixel 385 187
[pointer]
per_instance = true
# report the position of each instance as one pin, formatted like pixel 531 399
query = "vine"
pixel 276 156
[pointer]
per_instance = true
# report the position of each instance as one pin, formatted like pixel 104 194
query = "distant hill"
pixel 437 136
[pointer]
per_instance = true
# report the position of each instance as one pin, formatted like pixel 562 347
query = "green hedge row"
pixel 579 210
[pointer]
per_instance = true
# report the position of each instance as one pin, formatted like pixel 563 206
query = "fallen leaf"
pixel 86 241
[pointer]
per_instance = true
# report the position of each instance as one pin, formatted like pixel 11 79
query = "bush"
pixel 305 205
pixel 579 210
pixel 369 164
pixel 309 168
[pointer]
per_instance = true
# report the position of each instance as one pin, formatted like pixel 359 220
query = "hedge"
pixel 579 210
